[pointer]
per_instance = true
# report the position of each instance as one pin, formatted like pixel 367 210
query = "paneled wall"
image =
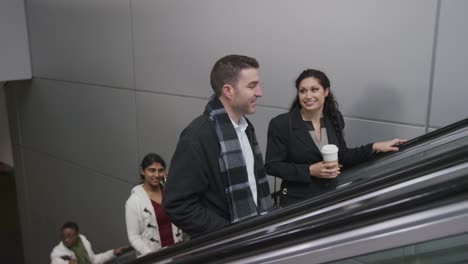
pixel 451 66
pixel 116 79
pixel 15 63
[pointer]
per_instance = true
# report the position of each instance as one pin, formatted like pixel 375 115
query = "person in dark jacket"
pixel 217 177
pixel 295 139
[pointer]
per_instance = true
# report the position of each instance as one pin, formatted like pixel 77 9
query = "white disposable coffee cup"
pixel 330 153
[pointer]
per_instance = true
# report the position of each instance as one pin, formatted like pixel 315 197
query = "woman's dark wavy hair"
pixel 330 108
pixel 149 159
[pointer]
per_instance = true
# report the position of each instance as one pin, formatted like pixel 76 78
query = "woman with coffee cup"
pixel 296 138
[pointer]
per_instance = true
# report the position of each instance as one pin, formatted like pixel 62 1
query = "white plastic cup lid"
pixel 329 149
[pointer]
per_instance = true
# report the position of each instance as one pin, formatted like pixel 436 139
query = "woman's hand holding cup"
pixel 328 168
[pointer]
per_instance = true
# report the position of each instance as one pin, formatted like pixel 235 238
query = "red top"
pixel 164 224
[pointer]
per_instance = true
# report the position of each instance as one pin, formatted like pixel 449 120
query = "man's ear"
pixel 228 91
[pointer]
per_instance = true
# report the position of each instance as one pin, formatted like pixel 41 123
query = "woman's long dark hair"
pixel 330 107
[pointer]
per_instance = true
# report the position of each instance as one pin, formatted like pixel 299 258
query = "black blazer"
pixel 291 150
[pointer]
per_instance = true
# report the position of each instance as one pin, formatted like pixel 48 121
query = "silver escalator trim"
pixel 431 179
pixel 418 227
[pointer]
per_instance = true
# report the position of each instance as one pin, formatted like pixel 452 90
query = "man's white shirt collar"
pixel 242 124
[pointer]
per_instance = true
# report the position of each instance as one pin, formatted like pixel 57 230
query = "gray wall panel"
pixel 82 40
pixel 43 227
pixel 58 197
pixel 14 49
pixel 360 132
pixel 89 125
pixel 21 183
pixel 451 68
pixel 161 119
pixel 392 80
pixel 11 111
pixel 261 119
pixel 287 39
pixel 165 59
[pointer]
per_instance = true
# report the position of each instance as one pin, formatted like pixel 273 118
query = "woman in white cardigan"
pixel 148 227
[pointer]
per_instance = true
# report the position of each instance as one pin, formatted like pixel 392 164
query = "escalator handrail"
pixel 371 213
pixel 295 210
pixel 383 207
pixel 410 146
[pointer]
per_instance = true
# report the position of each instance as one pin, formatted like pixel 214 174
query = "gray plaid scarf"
pixel 233 169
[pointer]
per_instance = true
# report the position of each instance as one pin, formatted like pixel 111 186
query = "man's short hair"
pixel 71 225
pixel 226 71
